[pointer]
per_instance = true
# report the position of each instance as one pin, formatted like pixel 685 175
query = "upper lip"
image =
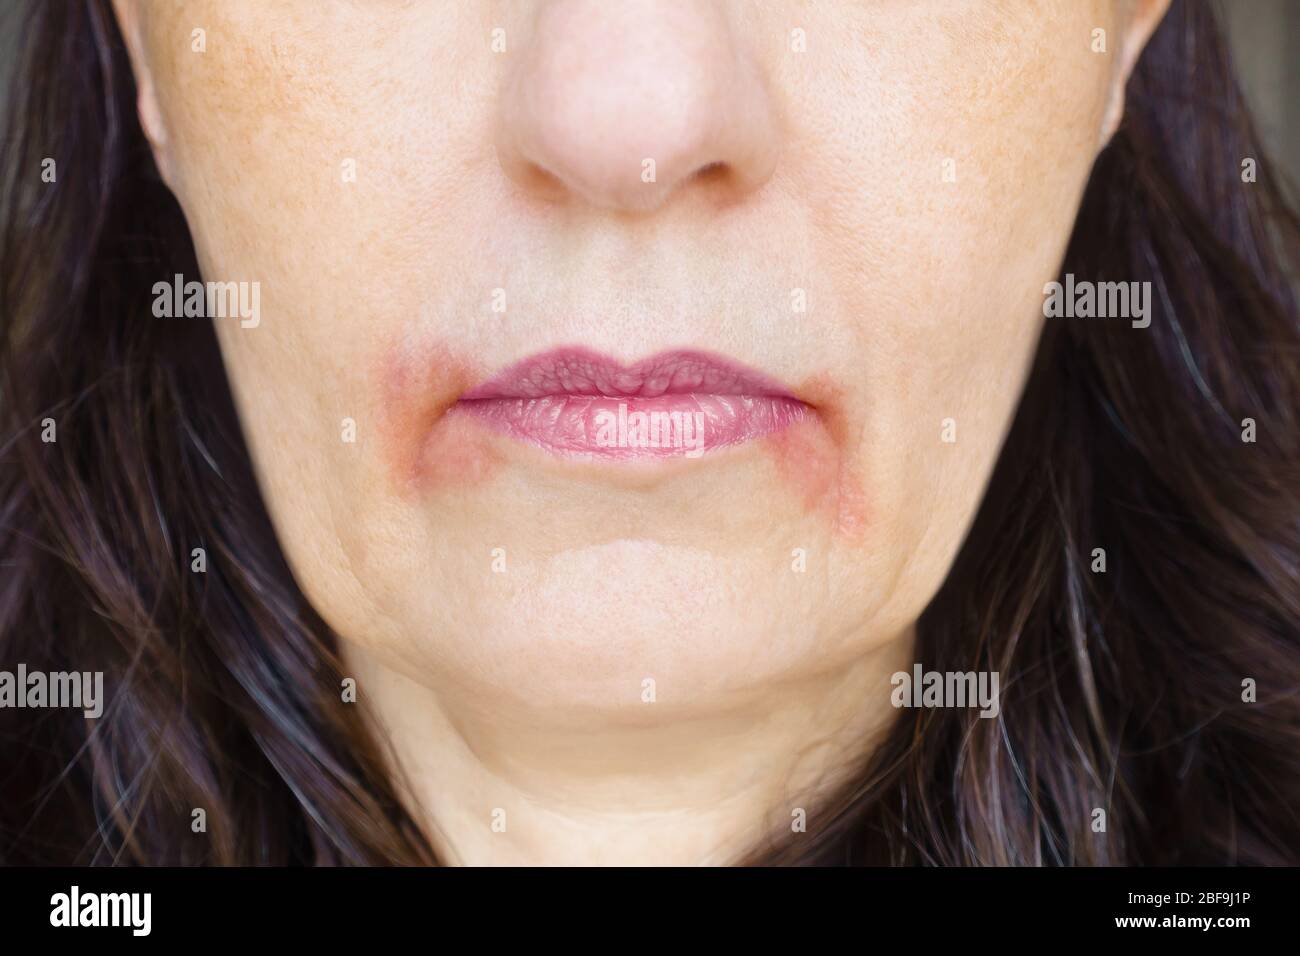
pixel 581 371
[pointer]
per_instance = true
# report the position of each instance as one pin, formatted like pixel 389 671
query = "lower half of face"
pixel 598 343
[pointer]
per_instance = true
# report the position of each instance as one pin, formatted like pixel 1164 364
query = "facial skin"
pixel 504 608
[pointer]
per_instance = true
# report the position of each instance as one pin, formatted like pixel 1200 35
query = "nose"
pixel 623 104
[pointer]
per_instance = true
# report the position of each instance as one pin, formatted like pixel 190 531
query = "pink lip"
pixel 576 402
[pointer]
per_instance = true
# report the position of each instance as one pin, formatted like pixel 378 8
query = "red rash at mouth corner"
pixel 419 382
pixel 443 420
pixel 815 460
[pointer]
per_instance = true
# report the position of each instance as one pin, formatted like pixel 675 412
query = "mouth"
pixel 575 402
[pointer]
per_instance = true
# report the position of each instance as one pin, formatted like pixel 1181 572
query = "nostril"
pixel 711 171
pixel 538 180
pixel 544 179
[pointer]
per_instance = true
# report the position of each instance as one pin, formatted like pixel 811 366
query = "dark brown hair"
pixel 1121 691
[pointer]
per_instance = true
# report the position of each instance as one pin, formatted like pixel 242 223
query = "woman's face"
pixel 816 233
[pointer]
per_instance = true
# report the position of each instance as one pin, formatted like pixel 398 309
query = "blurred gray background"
pixel 1265 38
pixel 1265 35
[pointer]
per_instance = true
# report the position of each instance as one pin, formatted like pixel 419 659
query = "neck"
pixel 498 782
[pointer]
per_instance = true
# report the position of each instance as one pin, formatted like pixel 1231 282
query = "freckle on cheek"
pixel 426 445
pixel 815 459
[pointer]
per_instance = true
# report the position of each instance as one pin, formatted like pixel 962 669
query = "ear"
pixel 130 16
pixel 1138 19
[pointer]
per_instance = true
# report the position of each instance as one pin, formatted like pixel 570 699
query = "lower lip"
pixel 647 417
